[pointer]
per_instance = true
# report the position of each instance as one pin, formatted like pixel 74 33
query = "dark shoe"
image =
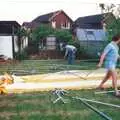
pixel 100 88
pixel 117 94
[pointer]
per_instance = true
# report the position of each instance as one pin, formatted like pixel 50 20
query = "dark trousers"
pixel 71 57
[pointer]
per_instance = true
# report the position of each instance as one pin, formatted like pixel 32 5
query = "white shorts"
pixel 109 65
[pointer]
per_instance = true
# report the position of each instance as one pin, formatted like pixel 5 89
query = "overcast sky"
pixel 27 10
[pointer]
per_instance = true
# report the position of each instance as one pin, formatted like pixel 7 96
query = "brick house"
pixel 58 19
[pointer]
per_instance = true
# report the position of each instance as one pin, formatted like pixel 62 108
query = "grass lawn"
pixel 45 66
pixel 39 106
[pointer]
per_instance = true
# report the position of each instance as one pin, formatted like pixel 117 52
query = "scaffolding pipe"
pixel 97 102
pixel 95 110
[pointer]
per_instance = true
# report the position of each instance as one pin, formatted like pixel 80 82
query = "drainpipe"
pixel 13 46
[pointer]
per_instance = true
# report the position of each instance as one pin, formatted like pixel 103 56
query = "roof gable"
pixel 93 21
pixel 43 18
pixel 15 23
pixel 6 27
pixel 48 17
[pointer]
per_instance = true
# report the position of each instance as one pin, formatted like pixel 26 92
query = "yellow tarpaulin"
pixel 74 80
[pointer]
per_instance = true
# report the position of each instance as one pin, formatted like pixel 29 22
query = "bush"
pixel 21 56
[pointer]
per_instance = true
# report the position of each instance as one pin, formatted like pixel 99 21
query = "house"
pixel 9 38
pixel 91 31
pixel 58 19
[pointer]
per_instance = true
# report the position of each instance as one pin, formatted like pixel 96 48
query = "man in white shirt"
pixel 70 53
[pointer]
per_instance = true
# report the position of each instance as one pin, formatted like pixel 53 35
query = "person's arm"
pixel 101 60
pixel 75 49
pixel 66 52
pixel 102 57
pixel 118 57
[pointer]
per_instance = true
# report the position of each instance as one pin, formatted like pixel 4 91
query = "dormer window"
pixel 65 25
pixel 54 24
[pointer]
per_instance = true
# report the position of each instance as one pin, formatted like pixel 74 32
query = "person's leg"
pixel 72 58
pixel 107 76
pixel 69 59
pixel 114 81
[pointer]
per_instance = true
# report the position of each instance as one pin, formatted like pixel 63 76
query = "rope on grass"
pixel 84 78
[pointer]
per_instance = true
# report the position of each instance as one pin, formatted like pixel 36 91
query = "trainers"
pixel 100 88
pixel 117 94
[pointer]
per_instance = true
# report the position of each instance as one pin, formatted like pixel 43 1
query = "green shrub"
pixel 21 56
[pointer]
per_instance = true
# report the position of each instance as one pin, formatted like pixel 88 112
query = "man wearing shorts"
pixel 110 55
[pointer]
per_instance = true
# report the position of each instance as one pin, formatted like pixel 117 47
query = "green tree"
pixel 112 27
pixel 63 35
pixel 41 32
pixel 21 54
pixel 39 35
pixel 21 33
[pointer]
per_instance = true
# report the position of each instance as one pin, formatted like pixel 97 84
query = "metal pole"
pixel 13 44
pixel 95 110
pixel 103 92
pixel 97 102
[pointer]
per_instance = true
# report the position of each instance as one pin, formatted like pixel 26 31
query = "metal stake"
pixel 59 93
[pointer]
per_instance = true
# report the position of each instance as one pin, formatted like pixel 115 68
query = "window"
pixel 62 25
pixel 90 35
pixel 89 32
pixel 54 24
pixel 51 43
pixel 65 25
pixel 68 25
